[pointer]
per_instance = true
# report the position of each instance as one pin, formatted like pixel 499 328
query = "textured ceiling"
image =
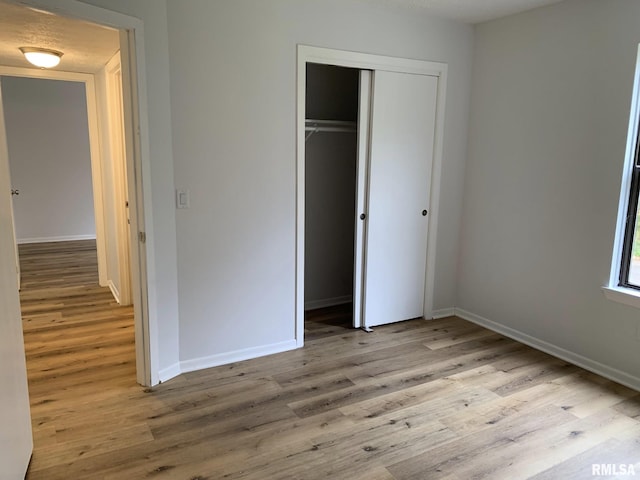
pixel 470 11
pixel 86 46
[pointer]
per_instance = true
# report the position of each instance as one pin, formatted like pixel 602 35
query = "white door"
pixel 401 156
pixel 16 442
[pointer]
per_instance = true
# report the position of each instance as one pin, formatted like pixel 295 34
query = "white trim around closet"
pixel 365 61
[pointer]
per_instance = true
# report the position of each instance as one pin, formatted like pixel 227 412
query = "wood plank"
pixel 481 446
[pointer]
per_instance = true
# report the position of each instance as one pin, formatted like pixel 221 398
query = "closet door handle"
pixel 424 213
pixel 363 216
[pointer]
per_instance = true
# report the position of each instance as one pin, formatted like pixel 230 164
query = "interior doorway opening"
pixel 68 166
pixel 127 213
pixel 49 160
pixel 331 157
pixel 71 17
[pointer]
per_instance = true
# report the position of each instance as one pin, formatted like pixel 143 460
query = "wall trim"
pixel 236 356
pixel 626 296
pixel 443 313
pixel 66 238
pixel 168 373
pixel 114 291
pixel 328 302
pixel 593 366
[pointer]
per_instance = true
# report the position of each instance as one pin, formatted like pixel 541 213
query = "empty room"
pixel 346 239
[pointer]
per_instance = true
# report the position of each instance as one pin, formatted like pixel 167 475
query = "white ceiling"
pixel 471 11
pixel 86 46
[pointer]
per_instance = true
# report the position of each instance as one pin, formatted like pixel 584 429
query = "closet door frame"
pixel 363 61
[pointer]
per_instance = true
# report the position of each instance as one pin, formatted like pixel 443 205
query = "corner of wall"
pixel 598 368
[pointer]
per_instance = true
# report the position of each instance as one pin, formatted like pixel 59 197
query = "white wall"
pixel 49 157
pixel 161 239
pixel 550 108
pixel 233 84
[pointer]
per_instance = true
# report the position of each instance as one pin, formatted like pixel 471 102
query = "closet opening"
pixel 369 159
pixel 331 168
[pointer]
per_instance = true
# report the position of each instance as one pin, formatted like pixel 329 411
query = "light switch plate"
pixel 182 198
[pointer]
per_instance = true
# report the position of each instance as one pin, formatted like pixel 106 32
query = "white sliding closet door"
pixel 401 156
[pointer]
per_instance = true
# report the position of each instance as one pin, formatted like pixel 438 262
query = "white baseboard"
pixel 236 356
pixel 114 291
pixel 170 372
pixel 559 352
pixel 68 238
pixel 327 302
pixel 443 313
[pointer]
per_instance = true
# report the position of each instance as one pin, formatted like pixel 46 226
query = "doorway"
pixel 51 191
pixel 331 157
pixel 18 436
pixel 49 150
pixel 398 162
pixel 49 158
pixel 68 203
pixel 130 189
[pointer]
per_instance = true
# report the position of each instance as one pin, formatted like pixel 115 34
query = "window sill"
pixel 626 296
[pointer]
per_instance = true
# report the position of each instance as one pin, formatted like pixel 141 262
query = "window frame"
pixel 631 218
pixel 617 290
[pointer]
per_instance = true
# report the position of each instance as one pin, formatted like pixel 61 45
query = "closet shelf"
pixel 313 126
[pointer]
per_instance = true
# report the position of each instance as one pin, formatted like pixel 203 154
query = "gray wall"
pixel 550 110
pixel 49 157
pixel 225 129
pixel 234 142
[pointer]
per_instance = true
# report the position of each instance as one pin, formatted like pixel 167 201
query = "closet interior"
pixel 331 152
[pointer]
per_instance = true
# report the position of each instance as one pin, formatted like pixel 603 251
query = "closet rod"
pixel 333 124
pixel 329 129
pixel 314 126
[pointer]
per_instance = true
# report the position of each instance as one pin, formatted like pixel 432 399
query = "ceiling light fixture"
pixel 41 57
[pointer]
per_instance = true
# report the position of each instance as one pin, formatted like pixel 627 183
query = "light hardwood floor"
pixel 416 400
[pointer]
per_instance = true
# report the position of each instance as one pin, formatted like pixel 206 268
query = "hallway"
pixel 79 345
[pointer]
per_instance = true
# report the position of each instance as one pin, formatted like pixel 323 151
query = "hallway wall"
pixel 49 158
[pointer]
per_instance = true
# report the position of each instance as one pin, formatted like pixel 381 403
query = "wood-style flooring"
pixel 421 400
